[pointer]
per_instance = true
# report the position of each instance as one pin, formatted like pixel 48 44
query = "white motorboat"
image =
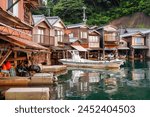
pixel 77 61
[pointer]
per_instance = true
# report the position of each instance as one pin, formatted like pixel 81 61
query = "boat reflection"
pixel 83 82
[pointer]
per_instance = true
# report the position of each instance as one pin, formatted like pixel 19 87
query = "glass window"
pixel 14 9
pixel 83 34
pixel 71 35
pixel 138 41
pixel 9 4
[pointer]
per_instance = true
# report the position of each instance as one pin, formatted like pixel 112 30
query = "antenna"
pixel 84 16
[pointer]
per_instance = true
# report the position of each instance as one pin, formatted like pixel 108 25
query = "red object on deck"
pixel 4 67
pixel 8 65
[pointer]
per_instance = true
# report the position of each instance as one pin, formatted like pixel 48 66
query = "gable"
pixel 59 24
pixel 43 24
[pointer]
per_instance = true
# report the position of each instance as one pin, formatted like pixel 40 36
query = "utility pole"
pixel 84 16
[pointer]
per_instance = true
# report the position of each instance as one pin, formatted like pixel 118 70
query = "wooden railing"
pixel 110 38
pixel 44 39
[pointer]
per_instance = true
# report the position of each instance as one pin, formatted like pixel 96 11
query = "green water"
pixel 131 82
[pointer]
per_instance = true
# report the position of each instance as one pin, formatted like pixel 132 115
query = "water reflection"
pixel 126 83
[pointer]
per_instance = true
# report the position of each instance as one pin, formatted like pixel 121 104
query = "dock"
pixel 27 94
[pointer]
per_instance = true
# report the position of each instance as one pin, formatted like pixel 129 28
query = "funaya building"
pixel 16 45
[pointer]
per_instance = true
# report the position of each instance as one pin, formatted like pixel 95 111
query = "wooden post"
pixel 15 56
pixel 98 56
pixel 85 55
pixel 88 54
pixel 67 54
pixel 133 53
pixel 48 59
pixel 29 58
pixel 64 55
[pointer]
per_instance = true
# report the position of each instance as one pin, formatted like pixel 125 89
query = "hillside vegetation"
pixel 98 12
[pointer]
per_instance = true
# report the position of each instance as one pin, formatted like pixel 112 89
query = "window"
pixel 93 41
pixel 40 38
pixel 14 9
pixel 9 3
pixel 138 41
pixel 59 35
pixel 71 35
pixel 83 34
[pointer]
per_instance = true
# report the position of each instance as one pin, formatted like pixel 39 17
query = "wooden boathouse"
pixel 109 41
pixel 136 41
pixel 16 45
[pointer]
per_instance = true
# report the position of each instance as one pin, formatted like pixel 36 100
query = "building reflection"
pixel 82 83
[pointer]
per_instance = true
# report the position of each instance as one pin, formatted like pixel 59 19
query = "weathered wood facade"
pixel 137 44
pixel 15 31
pixel 94 50
pixel 109 40
pixel 123 49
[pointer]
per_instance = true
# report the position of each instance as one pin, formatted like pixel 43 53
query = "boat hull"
pixel 92 64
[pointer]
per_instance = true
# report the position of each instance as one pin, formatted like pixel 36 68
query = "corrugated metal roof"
pixel 106 48
pixel 23 42
pixel 79 48
pixel 123 48
pixel 77 25
pixel 53 20
pixel 129 34
pixel 132 31
pixel 37 18
pixel 40 18
pixel 140 47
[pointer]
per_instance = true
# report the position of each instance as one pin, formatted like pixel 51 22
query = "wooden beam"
pixel 5 38
pixel 17 59
pixel 5 57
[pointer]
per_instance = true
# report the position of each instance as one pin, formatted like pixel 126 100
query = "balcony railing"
pixel 44 39
pixel 62 38
pixel 110 38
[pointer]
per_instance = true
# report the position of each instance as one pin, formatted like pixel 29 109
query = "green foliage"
pixel 98 12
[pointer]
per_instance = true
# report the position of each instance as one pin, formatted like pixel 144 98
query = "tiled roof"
pixel 139 47
pixel 53 20
pixel 77 25
pixel 39 18
pixel 135 31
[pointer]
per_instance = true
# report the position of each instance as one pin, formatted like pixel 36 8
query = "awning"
pixel 123 48
pixel 22 42
pixel 57 48
pixel 90 49
pixel 140 47
pixel 79 48
pixel 106 48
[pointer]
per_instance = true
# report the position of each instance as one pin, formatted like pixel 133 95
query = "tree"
pixel 69 10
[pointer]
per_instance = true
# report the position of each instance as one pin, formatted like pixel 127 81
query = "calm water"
pixel 131 82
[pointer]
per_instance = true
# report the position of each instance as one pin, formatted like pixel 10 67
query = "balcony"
pixel 110 38
pixel 44 40
pixel 62 38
